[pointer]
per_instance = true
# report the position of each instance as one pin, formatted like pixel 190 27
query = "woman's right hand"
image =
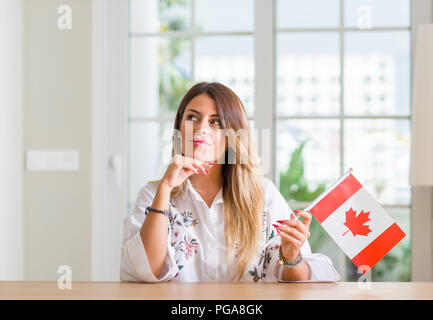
pixel 181 168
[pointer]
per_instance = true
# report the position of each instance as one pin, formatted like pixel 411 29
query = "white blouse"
pixel 196 243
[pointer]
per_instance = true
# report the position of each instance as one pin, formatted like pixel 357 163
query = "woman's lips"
pixel 199 142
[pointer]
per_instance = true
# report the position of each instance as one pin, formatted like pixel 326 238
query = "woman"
pixel 209 218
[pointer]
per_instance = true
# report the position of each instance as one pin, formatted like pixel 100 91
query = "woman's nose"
pixel 203 127
pixel 202 131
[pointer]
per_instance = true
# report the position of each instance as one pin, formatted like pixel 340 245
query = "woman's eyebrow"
pixel 212 115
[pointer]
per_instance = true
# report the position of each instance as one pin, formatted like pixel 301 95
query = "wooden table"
pixel 23 290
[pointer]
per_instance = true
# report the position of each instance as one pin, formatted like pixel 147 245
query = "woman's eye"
pixel 191 117
pixel 216 122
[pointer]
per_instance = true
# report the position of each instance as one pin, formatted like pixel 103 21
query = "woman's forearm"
pixel 154 231
pixel 301 272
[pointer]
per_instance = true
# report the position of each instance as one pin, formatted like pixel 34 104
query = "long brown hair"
pixel 242 190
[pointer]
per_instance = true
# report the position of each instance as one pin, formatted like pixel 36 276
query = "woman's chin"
pixel 202 155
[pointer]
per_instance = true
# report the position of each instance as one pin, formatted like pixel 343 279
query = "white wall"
pixel 57 115
pixel 110 92
pixel 11 233
pixel 422 196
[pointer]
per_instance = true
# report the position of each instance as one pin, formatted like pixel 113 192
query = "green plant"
pixel 294 187
pixel 169 21
pixel 395 266
pixel 173 79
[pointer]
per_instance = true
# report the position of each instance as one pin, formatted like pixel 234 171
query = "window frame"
pixel 342 117
pixel 110 127
pixel 193 34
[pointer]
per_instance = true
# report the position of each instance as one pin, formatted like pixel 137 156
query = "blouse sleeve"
pixel 134 265
pixel 321 266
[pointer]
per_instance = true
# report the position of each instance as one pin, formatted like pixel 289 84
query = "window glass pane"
pixel 305 169
pixel 160 71
pixel 366 14
pixel 308 68
pixel 159 15
pixel 379 152
pixel 308 13
pixel 224 15
pixel 230 61
pixel 304 172
pixel 377 73
pixel 149 153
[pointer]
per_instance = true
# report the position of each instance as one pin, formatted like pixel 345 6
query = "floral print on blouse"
pixel 196 243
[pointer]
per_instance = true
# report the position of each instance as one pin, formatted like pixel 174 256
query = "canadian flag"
pixel 356 221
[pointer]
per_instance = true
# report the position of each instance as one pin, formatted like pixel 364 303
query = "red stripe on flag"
pixel 379 247
pixel 334 199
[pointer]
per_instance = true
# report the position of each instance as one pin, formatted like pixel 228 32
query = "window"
pixel 342 96
pixel 171 46
pixel 343 100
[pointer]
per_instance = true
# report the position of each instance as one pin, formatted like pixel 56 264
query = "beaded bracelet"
pixel 290 263
pixel 164 212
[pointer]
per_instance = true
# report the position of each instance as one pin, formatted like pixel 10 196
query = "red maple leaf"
pixel 356 223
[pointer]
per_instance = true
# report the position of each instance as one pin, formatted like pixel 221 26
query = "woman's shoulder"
pixel 273 199
pixel 144 198
pixel 268 187
pixel 148 191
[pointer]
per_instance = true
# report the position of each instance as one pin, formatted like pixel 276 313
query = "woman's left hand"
pixel 294 233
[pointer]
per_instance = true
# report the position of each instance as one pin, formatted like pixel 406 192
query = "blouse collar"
pixel 190 188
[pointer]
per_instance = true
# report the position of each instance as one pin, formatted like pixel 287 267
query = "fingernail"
pixel 296 211
pixel 275 226
pixel 207 172
pixel 278 231
pixel 280 221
